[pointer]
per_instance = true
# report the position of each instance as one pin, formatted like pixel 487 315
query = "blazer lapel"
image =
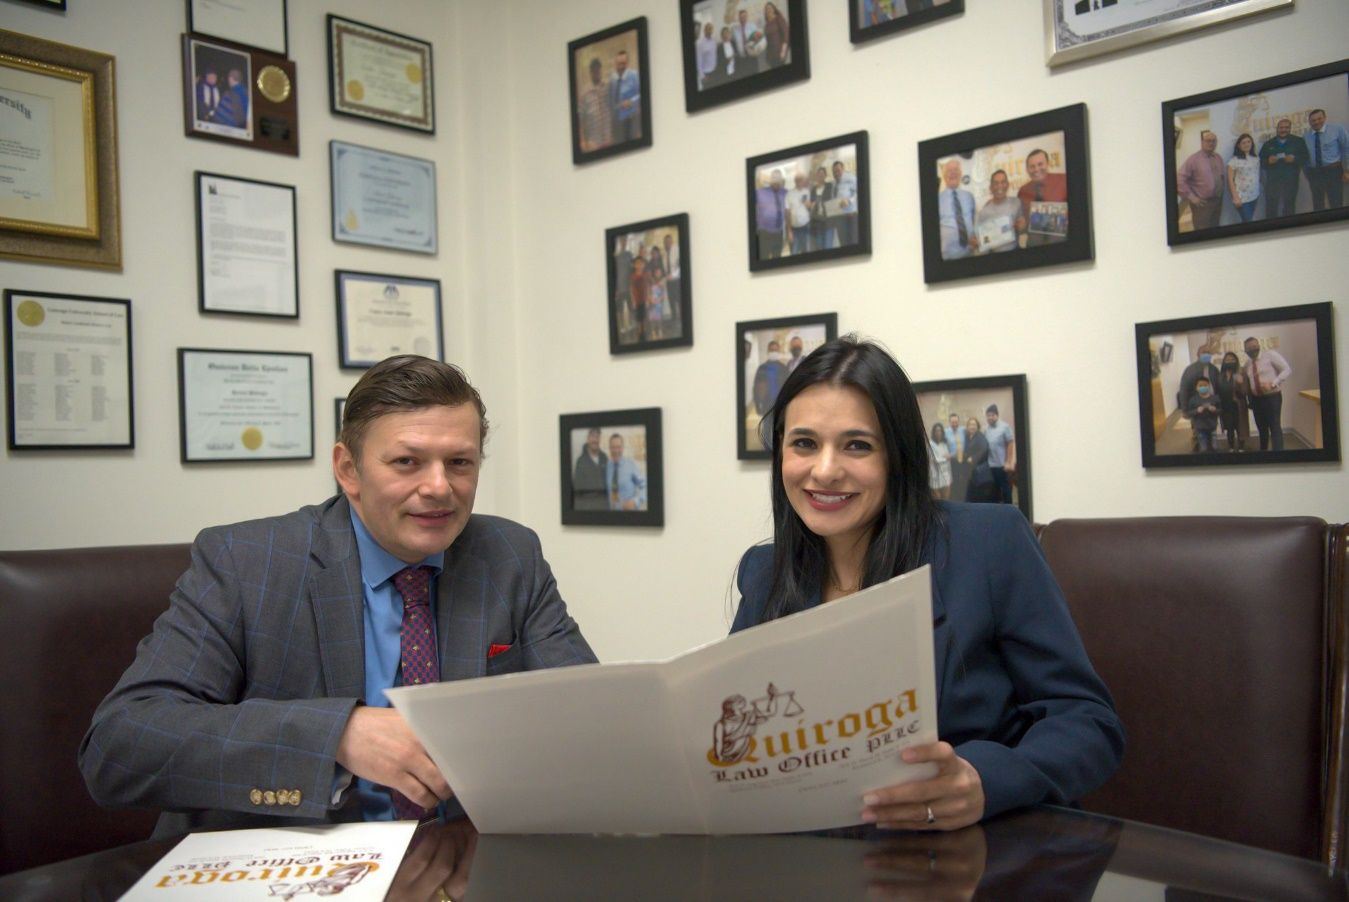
pixel 941 637
pixel 461 612
pixel 336 594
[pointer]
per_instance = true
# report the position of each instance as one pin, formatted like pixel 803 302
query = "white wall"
pixel 522 262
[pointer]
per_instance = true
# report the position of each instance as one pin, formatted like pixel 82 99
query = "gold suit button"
pixel 295 797
pixel 255 797
pixel 269 797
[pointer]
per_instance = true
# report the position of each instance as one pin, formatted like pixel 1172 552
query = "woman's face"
pixel 971 426
pixel 938 434
pixel 834 462
pixel 1246 145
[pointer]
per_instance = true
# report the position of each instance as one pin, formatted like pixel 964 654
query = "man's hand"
pixel 378 746
pixel 955 796
pixel 439 858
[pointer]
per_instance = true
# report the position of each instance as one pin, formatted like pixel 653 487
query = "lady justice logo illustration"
pixel 733 734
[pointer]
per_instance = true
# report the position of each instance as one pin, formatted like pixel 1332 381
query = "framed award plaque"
pixel 239 94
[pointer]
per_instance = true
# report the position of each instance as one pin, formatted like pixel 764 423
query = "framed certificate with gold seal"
pixel 383 199
pixel 380 75
pixel 245 405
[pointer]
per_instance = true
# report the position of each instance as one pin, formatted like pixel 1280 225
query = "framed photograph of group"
pixel 380 75
pixel 245 405
pixel 611 468
pixel 1232 389
pixel 379 316
pixel 246 249
pixel 255 23
pixel 1078 29
pixel 383 199
pixel 767 350
pixel 739 48
pixel 1007 196
pixel 869 19
pixel 650 285
pixel 59 200
pixel 68 371
pixel 978 437
pixel 240 95
pixel 610 78
pixel 809 203
pixel 1258 156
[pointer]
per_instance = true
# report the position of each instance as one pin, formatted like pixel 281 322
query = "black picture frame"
pixel 832 238
pixel 428 340
pixel 49 4
pixel 400 56
pixel 596 55
pixel 585 502
pixel 935 399
pixel 187 410
pixel 1290 96
pixel 629 323
pixel 1054 229
pixel 265 117
pixel 1166 350
pixel 702 92
pixel 15 299
pixel 204 303
pixel 769 373
pixel 860 31
pixel 244 35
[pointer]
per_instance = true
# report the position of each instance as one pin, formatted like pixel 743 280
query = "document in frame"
pixel 358 861
pixel 780 728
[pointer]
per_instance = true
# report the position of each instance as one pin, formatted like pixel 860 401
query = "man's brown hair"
pixel 405 382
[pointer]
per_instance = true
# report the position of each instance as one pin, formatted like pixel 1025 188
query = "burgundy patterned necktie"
pixel 417 660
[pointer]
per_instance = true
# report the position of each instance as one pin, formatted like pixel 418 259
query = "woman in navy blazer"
pixel 1023 717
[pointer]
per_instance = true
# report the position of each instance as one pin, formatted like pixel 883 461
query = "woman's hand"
pixel 955 796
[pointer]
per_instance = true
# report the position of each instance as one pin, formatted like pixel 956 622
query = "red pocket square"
pixel 493 650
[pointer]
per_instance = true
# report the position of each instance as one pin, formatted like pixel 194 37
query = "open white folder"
pixel 774 729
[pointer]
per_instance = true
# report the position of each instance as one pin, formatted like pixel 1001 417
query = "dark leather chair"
pixel 69 624
pixel 1223 642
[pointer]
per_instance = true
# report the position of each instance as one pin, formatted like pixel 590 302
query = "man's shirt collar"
pixel 377 565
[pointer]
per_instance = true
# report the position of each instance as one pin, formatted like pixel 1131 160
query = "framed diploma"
pixel 383 199
pixel 245 405
pixel 246 257
pixel 379 316
pixel 240 95
pixel 67 371
pixel 58 197
pixel 377 74
pixel 256 23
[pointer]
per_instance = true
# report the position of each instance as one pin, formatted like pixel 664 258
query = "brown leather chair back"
pixel 1215 636
pixel 69 624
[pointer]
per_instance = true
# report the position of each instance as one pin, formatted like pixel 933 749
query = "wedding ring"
pixel 931 818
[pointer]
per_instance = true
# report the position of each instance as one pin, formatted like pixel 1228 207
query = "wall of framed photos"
pixel 523 271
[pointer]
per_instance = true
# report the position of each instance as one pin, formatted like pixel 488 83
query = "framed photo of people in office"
pixel 1234 389
pixel 736 48
pixel 1008 196
pixel 610 77
pixel 1258 156
pixel 611 471
pixel 767 350
pixel 869 19
pixel 978 437
pixel 809 203
pixel 650 285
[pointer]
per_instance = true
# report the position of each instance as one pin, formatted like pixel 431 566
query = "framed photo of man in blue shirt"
pixel 611 468
pixel 610 92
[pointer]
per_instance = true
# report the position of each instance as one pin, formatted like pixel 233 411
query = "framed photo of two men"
pixel 1008 196
pixel 1231 389
pixel 610 77
pixel 650 285
pixel 1258 156
pixel 767 351
pixel 809 203
pixel 611 467
pixel 735 48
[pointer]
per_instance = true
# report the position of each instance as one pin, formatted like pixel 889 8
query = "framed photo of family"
pixel 978 439
pixel 1258 156
pixel 767 350
pixel 380 75
pixel 610 77
pixel 1008 196
pixel 1233 389
pixel 742 47
pixel 650 285
pixel 869 19
pixel 240 95
pixel 809 203
pixel 611 468
pixel 1077 29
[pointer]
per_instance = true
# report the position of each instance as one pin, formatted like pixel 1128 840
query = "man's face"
pixel 774 347
pixel 417 477
pixel 669 241
pixel 593 441
pixel 615 448
pixel 1037 166
pixel 992 417
pixel 1317 120
pixel 955 422
pixel 838 171
pixel 795 347
pixel 998 185
pixel 211 79
pixel 1283 128
pixel 950 174
pixel 707 30
pixel 595 72
pixel 800 180
pixel 1252 349
pixel 776 178
pixel 621 63
pixel 744 16
pixel 1208 141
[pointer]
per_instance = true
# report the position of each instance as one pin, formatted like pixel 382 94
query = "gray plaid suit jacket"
pixel 247 680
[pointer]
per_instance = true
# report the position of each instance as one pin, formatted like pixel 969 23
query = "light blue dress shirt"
pixel 1334 145
pixel 631 483
pixel 951 247
pixel 998 435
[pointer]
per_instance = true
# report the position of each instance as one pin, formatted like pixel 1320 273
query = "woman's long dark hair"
pixel 910 515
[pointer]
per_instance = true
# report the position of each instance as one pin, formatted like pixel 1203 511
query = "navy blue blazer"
pixel 1016 695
